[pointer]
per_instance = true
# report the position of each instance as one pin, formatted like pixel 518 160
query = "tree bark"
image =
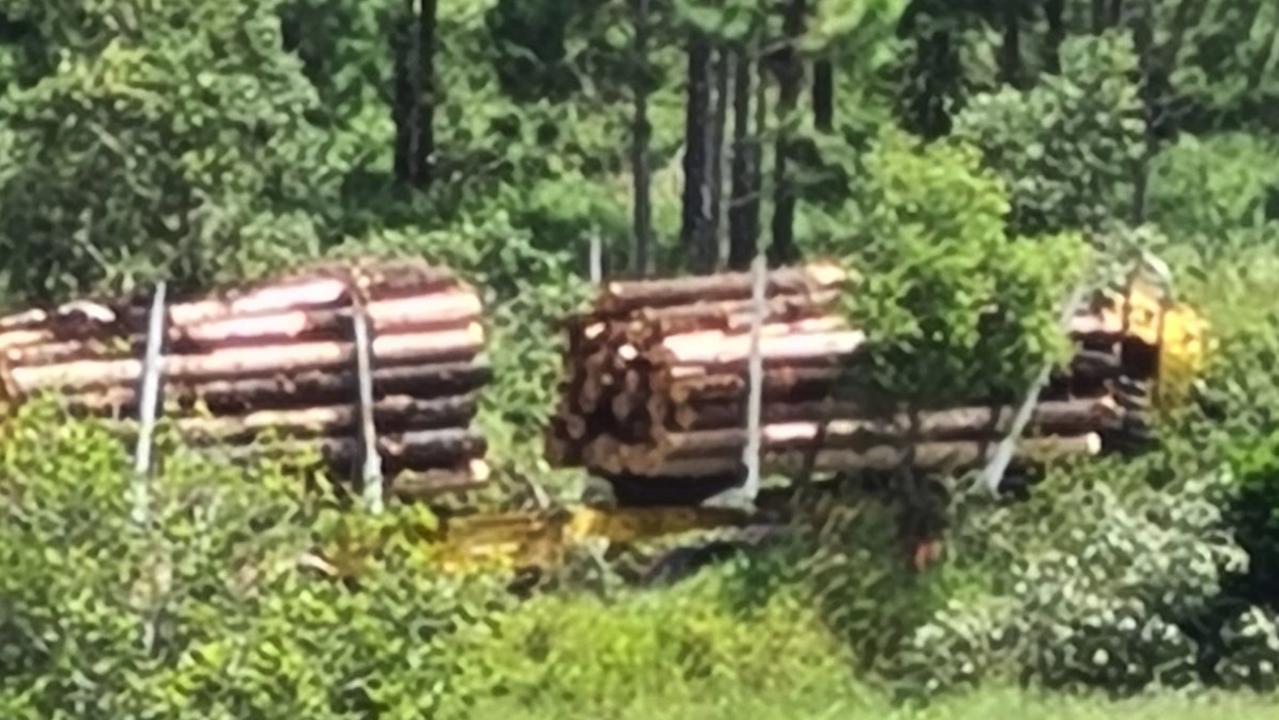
pixel 1059 417
pixel 742 227
pixel 416 449
pixel 405 109
pixel 414 110
pixel 1098 16
pixel 824 95
pixel 1054 14
pixel 1010 52
pixel 425 129
pixel 425 347
pixel 923 456
pixel 935 73
pixel 391 414
pixel 642 220
pixel 695 237
pixel 716 157
pixel 1115 13
pixel 790 72
pixel 624 297
pixel 313 387
pixel 1143 41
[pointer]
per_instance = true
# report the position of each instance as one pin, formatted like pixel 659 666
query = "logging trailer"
pixel 380 366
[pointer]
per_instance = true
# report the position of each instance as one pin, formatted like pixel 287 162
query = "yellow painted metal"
pixel 541 539
pixel 1182 353
pixel 1178 332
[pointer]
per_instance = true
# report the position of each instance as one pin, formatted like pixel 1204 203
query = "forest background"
pixel 970 157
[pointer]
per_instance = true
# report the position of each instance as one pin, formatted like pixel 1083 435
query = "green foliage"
pixel 1094 581
pixel 210 141
pixel 1251 657
pixel 953 304
pixel 1067 146
pixel 849 562
pixel 1227 65
pixel 170 142
pixel 705 637
pixel 1216 186
pixel 209 611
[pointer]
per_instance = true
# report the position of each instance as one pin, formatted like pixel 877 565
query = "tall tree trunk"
pixel 720 150
pixel 934 73
pixel 715 143
pixel 407 101
pixel 1054 14
pixel 642 220
pixel 743 209
pixel 414 111
pixel 1115 14
pixel 1010 51
pixel 1098 16
pixel 695 235
pixel 824 95
pixel 790 72
pixel 1143 41
pixel 1164 123
pixel 425 144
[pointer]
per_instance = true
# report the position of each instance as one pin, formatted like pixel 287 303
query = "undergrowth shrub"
pixel 211 610
pixel 710 636
pixel 1132 573
pixel 955 304
pixel 1085 585
pixel 1250 657
pixel 1207 187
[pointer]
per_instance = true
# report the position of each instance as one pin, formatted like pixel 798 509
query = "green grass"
pixel 853 705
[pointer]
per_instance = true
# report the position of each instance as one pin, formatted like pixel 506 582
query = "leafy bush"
pixel 160 143
pixel 1092 582
pixel 1133 572
pixel 1251 656
pixel 1067 146
pixel 1208 186
pixel 210 611
pixel 955 306
pixel 707 636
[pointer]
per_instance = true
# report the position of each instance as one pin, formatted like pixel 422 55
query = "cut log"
pixel 731 314
pixel 931 457
pixel 393 413
pixel 315 292
pixel 418 449
pixel 783 382
pixel 621 297
pixel 22 338
pixel 385 315
pixel 1065 417
pixel 289 390
pixel 312 290
pixel 718 348
pixel 439 346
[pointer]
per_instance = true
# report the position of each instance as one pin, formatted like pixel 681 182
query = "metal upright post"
pixel 754 404
pixel 597 258
pixel 152 369
pixel 371 474
pixel 993 474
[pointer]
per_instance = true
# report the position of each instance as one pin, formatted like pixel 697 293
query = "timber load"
pixel 273 367
pixel 656 388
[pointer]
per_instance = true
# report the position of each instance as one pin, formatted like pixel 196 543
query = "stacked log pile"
pixel 657 387
pixel 279 358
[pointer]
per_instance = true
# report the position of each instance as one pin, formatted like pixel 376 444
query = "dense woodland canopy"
pixel 972 159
